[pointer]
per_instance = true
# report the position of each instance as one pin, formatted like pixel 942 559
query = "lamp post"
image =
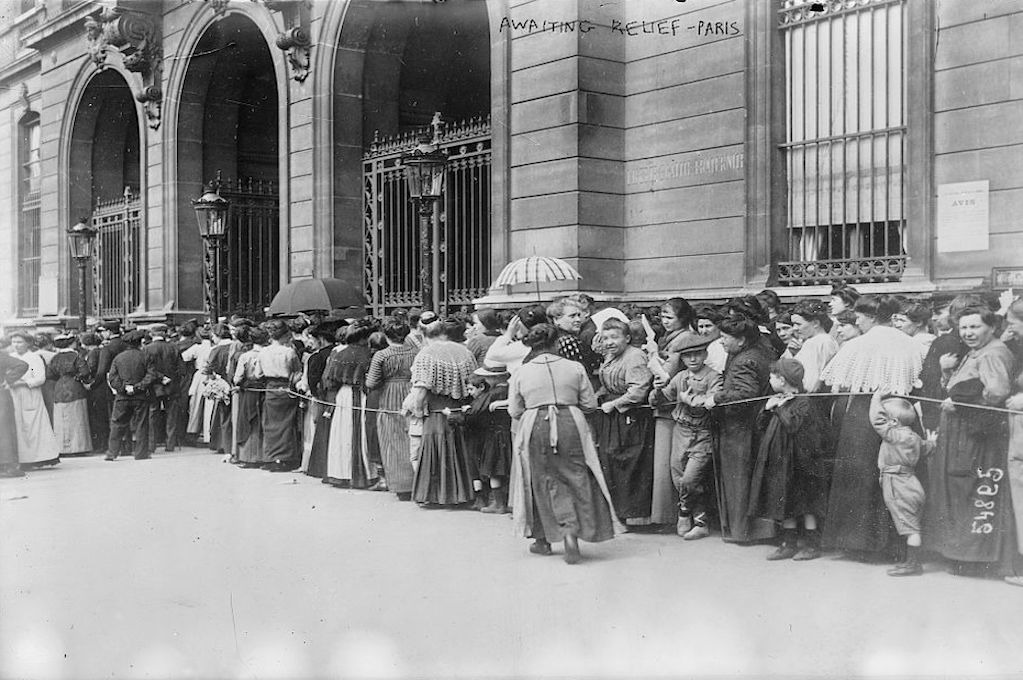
pixel 424 174
pixel 80 238
pixel 211 214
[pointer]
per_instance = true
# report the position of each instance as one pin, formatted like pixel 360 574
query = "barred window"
pixel 844 147
pixel 29 250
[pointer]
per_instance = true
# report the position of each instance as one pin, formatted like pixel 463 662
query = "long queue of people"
pixel 870 425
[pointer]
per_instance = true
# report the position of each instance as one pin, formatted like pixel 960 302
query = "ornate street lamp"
pixel 211 214
pixel 80 238
pixel 424 173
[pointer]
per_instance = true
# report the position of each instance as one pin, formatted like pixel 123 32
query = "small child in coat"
pixel 901 448
pixel 692 447
pixel 487 429
pixel 788 480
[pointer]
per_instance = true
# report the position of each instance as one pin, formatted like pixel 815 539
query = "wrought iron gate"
pixel 391 232
pixel 116 266
pixel 251 254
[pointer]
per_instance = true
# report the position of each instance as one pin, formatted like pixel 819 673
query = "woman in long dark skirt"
pixel 390 375
pixel 969 517
pixel 248 379
pixel 280 366
pixel 326 391
pixel 624 429
pixel 100 399
pixel 11 370
pixel 746 376
pixel 319 341
pixel 563 495
pixel 440 375
pixel 221 427
pixel 885 358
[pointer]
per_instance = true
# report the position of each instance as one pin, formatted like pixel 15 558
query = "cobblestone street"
pixel 183 566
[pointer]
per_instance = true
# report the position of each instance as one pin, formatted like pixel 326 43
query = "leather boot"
pixel 498 502
pixel 787 550
pixel 911 567
pixel 811 549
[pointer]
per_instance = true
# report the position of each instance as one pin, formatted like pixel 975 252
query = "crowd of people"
pixel 873 425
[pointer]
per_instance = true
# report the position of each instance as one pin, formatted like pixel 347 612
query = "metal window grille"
pixel 845 140
pixel 117 261
pixel 251 255
pixel 391 228
pixel 29 229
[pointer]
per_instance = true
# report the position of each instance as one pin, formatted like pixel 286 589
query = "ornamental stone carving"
pixel 137 36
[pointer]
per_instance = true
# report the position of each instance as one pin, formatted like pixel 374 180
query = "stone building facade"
pixel 700 147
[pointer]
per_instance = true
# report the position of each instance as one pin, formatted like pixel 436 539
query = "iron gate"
pixel 391 231
pixel 251 255
pixel 117 261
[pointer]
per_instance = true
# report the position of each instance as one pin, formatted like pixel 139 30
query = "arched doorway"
pixel 104 180
pixel 227 133
pixel 397 64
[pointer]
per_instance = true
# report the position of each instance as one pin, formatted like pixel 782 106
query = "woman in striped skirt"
pixel 390 372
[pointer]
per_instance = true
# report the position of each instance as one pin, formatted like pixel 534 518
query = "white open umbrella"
pixel 536 269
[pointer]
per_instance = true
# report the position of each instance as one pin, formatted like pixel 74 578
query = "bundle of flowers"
pixel 217 389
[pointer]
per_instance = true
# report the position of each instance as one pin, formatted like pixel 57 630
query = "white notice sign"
pixel 963 216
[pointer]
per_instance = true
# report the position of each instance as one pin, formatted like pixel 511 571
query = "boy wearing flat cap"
pixel 691 443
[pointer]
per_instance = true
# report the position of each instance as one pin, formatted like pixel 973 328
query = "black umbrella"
pixel 312 295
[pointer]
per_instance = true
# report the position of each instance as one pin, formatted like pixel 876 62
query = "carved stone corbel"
pixel 295 40
pixel 137 36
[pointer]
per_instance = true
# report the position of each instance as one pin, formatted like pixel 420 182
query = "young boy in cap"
pixel 901 448
pixel 788 481
pixel 691 444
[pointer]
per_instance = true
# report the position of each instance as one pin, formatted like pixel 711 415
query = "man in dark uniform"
pixel 164 406
pixel 113 344
pixel 130 377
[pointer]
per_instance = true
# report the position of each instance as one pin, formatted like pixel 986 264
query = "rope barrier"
pixel 736 402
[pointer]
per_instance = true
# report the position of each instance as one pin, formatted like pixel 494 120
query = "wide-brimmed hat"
pixel 691 342
pixel 491 370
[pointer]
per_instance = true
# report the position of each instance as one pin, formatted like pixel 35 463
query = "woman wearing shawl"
pixel 390 373
pixel 883 358
pixel 69 371
pixel 563 496
pixel 968 517
pixel 440 374
pixel 348 463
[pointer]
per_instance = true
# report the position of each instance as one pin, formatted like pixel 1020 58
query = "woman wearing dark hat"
pixel 390 373
pixel 70 372
pixel 440 375
pixel 326 331
pixel 37 445
pixel 563 495
pixel 746 376
pixel 11 370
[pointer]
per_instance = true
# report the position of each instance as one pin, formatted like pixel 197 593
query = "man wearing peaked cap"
pixel 691 342
pixel 165 403
pixel 130 377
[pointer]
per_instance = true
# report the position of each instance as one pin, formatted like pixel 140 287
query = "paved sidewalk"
pixel 183 566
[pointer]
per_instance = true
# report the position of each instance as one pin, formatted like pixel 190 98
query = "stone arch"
pixel 190 159
pixel 102 155
pixel 383 75
pixel 229 117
